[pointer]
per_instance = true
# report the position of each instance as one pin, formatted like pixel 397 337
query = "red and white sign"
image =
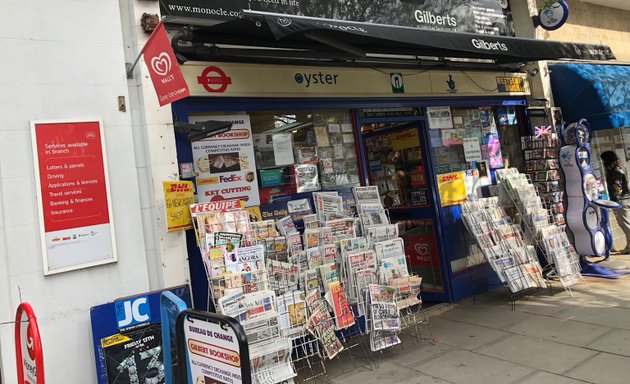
pixel 30 365
pixel 214 80
pixel 73 194
pixel 167 78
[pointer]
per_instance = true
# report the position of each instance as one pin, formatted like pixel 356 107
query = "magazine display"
pixel 407 291
pixel 341 228
pixel 327 204
pixel 282 276
pixel 372 214
pixel 336 298
pixel 321 325
pixel 286 225
pixel 292 309
pixel 541 226
pixel 245 259
pixel 381 233
pixel 284 281
pixel 502 244
pixel 367 194
pixel 384 317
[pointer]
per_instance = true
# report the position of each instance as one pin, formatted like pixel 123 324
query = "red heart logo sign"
pixel 161 64
pixel 422 249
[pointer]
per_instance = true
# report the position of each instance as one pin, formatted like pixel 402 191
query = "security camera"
pixel 203 130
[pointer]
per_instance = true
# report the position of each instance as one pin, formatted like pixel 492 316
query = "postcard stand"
pixel 503 246
pixel 563 262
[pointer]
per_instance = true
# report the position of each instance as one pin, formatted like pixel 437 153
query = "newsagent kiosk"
pixel 324 105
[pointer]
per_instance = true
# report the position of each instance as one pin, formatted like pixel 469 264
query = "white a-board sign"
pixel 214 348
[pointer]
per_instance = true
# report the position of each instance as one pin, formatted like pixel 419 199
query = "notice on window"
pixel 283 148
pixel 472 149
pixel 73 192
pixel 178 196
pixel 452 187
pixel 225 163
pixel 440 117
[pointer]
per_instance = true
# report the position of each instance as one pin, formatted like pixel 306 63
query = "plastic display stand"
pixel 587 216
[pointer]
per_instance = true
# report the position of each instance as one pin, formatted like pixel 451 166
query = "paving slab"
pixel 386 373
pixel 412 354
pixel 463 335
pixel 500 318
pixel 465 367
pixel 603 369
pixel 561 330
pixel 601 298
pixel 537 353
pixel 542 306
pixel 617 341
pixel 549 378
pixel 614 317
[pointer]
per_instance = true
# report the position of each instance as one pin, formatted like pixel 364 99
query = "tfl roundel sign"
pixel 28 347
pixel 214 80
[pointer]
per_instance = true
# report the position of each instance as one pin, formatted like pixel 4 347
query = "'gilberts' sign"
pixel 249 80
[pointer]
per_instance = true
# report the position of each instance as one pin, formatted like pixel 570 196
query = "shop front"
pixel 424 112
pixel 428 140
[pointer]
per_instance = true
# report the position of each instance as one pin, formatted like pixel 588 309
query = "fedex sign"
pixel 133 312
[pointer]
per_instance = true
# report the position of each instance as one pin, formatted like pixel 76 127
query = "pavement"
pixel 546 339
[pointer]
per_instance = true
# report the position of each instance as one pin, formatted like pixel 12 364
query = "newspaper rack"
pixel 503 246
pixel 563 262
pixel 300 289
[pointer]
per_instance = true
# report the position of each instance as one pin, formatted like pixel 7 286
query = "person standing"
pixel 618 191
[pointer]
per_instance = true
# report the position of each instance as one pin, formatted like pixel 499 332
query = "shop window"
pixel 480 139
pixel 303 151
pixel 396 164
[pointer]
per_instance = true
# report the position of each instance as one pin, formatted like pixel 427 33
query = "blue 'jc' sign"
pixel 133 312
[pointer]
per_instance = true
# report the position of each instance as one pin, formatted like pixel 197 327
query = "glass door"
pixel 394 159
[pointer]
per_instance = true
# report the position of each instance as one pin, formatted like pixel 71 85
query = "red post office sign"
pixel 28 346
pixel 73 193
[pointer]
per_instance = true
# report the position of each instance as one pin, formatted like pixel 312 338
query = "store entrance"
pixel 395 157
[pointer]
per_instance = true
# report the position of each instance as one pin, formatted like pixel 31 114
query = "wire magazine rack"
pixel 541 228
pixel 502 245
pixel 300 319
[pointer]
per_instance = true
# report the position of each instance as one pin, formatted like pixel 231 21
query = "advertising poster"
pixel 134 355
pixel 73 191
pixel 213 353
pixel 452 187
pixel 178 196
pixel 225 163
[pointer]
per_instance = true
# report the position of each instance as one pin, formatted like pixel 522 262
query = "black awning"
pixel 327 38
